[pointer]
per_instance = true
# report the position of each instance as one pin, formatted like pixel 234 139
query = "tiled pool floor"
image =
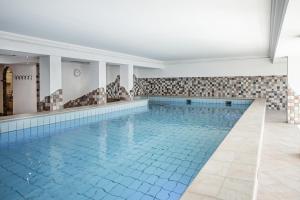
pixel 148 155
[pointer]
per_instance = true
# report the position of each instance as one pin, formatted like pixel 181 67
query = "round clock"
pixel 77 72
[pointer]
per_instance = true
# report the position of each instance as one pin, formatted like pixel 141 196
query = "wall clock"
pixel 77 72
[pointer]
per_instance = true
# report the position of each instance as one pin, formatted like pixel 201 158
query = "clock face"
pixel 77 72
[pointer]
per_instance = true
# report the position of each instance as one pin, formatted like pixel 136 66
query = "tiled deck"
pixel 279 173
pixel 231 172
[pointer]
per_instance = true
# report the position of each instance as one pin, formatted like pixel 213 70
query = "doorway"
pixel 7 91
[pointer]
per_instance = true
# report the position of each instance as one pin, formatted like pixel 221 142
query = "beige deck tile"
pixel 234 189
pixel 206 184
pixel 225 156
pixel 278 192
pixel 215 167
pixel 279 173
pixel 235 157
pixel 235 161
pixel 245 158
pixel 245 148
pixel 194 196
pixel 242 171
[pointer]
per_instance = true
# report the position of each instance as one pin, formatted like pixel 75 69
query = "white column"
pixel 98 74
pixel 55 74
pixel 50 75
pixel 102 75
pixel 51 81
pixel 126 77
pixel 44 77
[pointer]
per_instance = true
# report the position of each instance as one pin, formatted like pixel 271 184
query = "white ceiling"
pixel 158 29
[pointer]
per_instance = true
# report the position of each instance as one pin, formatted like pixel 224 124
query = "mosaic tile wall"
pixel 273 88
pixel 52 102
pixel 137 87
pixel 115 91
pixel 97 96
pixel 124 95
pixel 113 88
pixel 44 105
pixel 293 107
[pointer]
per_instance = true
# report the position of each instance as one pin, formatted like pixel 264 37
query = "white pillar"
pixel 126 77
pixel 102 75
pixel 98 74
pixel 51 82
pixel 44 77
pixel 55 74
pixel 50 75
pixel 293 90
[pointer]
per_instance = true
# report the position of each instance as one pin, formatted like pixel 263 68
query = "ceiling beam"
pixel 278 10
pixel 21 43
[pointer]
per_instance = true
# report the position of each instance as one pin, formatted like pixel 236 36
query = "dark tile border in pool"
pixel 200 100
pixel 231 172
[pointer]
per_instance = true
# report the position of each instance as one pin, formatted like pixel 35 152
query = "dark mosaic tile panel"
pixel 116 91
pixel 138 89
pixel 124 95
pixel 52 102
pixel 113 88
pixel 56 100
pixel 273 88
pixel 97 96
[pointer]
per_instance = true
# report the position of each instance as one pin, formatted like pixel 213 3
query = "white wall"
pixel 89 77
pixel 245 67
pixel 24 91
pixel 73 87
pixel 97 75
pixel 55 73
pixel 126 77
pixel 294 73
pixel 112 71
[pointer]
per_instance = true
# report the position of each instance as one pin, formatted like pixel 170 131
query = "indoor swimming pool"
pixel 150 152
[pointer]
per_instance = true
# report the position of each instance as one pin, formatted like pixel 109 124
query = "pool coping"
pixel 66 110
pixel 231 172
pixel 24 121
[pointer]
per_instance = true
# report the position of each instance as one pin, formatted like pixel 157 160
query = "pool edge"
pixel 231 172
pixel 24 121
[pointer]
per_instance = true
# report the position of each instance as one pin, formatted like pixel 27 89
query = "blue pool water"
pixel 147 153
